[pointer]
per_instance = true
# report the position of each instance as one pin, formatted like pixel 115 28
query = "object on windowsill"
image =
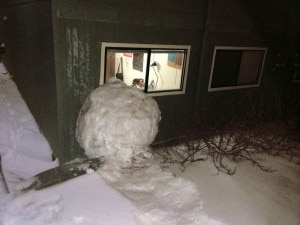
pixel 138 82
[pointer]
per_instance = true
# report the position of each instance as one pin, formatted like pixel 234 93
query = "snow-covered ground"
pixel 147 194
pixel 24 150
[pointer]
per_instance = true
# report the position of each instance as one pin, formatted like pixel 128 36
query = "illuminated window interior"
pixel 156 69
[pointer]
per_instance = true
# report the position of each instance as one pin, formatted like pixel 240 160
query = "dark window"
pixel 234 68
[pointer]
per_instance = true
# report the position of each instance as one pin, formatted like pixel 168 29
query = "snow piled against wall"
pixel 120 122
pixel 23 148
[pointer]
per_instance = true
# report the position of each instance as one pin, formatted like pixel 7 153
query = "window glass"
pixel 235 67
pixel 126 65
pixel 156 69
pixel 166 70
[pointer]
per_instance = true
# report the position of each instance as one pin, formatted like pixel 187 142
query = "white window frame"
pixel 211 89
pixel 104 45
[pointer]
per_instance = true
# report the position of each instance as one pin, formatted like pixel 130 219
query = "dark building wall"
pixel 29 57
pixel 81 26
pixel 270 24
pixel 53 52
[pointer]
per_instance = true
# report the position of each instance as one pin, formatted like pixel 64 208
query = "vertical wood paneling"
pixel 94 55
pixel 87 64
pixel 86 24
pixel 62 87
pixel 74 79
pixel 81 62
pixel 80 26
pixel 69 78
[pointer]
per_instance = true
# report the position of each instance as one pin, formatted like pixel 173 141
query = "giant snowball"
pixel 117 121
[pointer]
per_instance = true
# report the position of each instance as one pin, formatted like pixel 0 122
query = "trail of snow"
pixel 119 122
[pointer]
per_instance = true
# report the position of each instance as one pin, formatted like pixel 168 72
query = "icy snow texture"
pixel 24 150
pixel 86 200
pixel 160 197
pixel 249 197
pixel 117 121
pixel 120 122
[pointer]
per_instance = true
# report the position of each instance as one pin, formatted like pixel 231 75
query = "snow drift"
pixel 20 159
pixel 249 197
pixel 119 122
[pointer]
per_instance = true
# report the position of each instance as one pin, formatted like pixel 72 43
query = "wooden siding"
pixel 246 24
pixel 75 79
pixel 79 31
pixel 201 24
pixel 157 13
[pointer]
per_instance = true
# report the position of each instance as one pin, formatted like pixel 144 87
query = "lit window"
pixel 156 69
pixel 236 67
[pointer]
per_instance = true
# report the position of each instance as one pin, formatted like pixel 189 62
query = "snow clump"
pixel 117 121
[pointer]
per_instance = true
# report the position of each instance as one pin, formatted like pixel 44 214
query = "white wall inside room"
pixel 128 72
pixel 168 78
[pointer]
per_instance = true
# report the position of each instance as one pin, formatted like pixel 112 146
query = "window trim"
pixel 295 78
pixel 210 89
pixel 105 45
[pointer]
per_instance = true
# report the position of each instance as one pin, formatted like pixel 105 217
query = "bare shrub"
pixel 265 130
pixel 224 148
pixel 276 124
